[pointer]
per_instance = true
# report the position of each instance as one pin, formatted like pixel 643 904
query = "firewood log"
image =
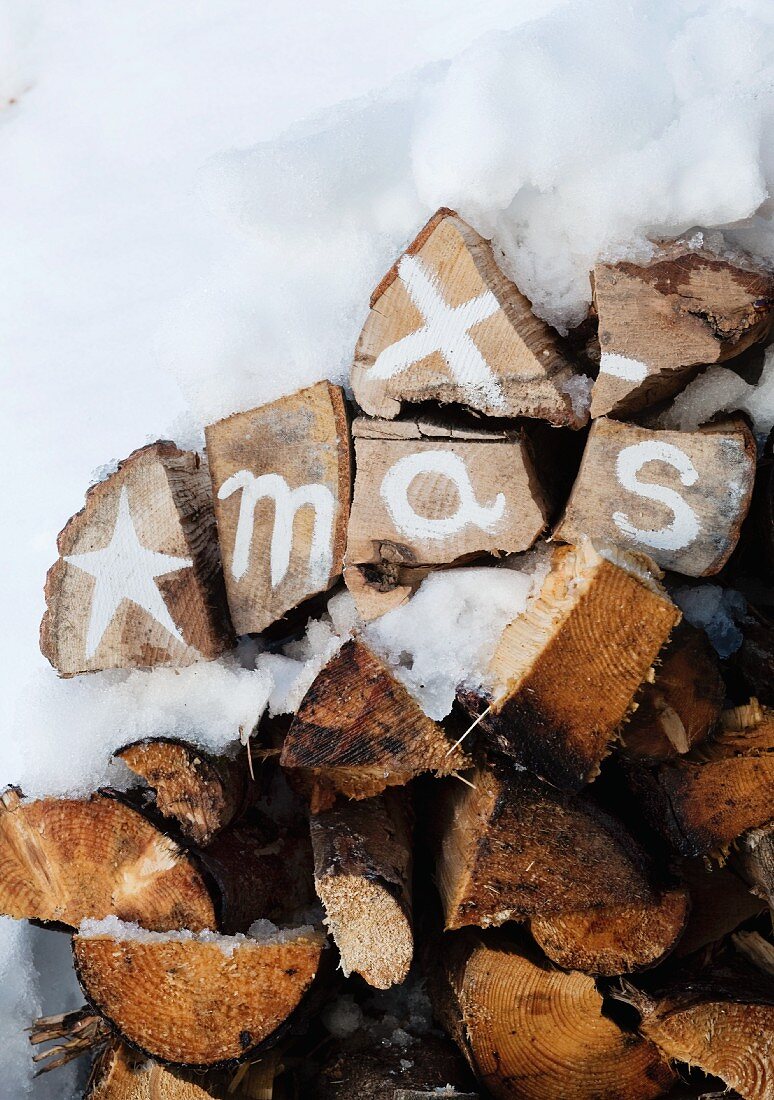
pixel 754 659
pixel 680 497
pixel 661 320
pixel 123 1074
pixel 281 481
pixel 446 325
pixel 754 856
pixel 682 704
pixel 721 789
pixel 429 493
pixel 616 939
pixel 66 860
pixel 757 950
pixel 199 1001
pixel 201 792
pixel 723 1023
pixel 565 672
pixel 138 581
pixel 362 854
pixel 532 1032
pixel 511 847
pixel 720 902
pixel 358 731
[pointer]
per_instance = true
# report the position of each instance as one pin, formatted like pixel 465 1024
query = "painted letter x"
pixel 446 330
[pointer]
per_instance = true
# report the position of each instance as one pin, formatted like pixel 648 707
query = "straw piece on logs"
pixel 363 862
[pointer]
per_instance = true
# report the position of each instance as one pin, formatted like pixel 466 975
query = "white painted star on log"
pixel 126 570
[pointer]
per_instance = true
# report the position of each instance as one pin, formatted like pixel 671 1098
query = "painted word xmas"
pixel 281 484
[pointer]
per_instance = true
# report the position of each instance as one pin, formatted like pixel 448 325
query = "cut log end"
pixel 370 927
pixel 195 1001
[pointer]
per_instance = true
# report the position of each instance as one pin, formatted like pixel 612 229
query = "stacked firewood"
pixel 575 866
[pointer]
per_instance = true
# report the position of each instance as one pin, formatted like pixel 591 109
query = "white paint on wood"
pixel 446 330
pixel 621 366
pixel 287 502
pixel 684 528
pixel 126 570
pixel 398 479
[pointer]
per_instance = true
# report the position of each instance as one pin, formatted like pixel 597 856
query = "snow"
pixel 719 389
pixel 262 933
pixel 171 255
pixel 715 610
pixel 342 1017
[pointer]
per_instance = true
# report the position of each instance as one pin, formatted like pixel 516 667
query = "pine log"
pixel 67 860
pixel 446 325
pixel 757 950
pixel 565 672
pixel 723 1024
pixel 754 856
pixel 680 497
pixel 511 847
pixel 720 902
pixel 200 792
pixel 616 939
pixel 138 581
pixel 281 480
pixel 682 704
pixel 721 789
pixel 358 731
pixel 531 1032
pixel 200 1001
pixel 661 320
pixel 260 872
pixel 432 494
pixel 362 874
pixel 123 1074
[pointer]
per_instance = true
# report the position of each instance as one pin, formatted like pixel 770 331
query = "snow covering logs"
pixel 597 801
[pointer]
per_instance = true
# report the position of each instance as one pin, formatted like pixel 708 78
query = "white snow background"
pixel 170 252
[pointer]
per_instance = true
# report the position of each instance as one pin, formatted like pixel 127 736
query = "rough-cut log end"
pixel 202 793
pixel 616 939
pixel 532 1032
pixel 196 1000
pixel 446 325
pixel 67 860
pixel 683 703
pixel 660 321
pixel 363 878
pixel 122 1074
pixel 511 847
pixel 358 731
pixel 565 672
pixel 138 582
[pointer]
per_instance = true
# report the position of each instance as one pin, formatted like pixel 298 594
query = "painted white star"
pixel 126 570
pixel 446 330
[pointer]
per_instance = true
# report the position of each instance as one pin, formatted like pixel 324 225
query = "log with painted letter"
pixel 661 320
pixel 679 497
pixel 429 494
pixel 281 482
pixel 138 581
pixel 446 325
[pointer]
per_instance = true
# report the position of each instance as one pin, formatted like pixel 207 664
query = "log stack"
pixel 559 890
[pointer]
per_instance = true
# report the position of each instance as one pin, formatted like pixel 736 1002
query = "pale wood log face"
pixel 660 321
pixel 427 501
pixel 138 580
pixel 445 324
pixel 281 483
pixel 679 497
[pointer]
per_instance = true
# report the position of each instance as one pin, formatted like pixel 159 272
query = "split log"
pixel 511 847
pixel 138 582
pixel 680 497
pixel 430 494
pixel 617 939
pixel 446 325
pixel 202 793
pixel 197 1000
pixel 123 1074
pixel 754 856
pixel 723 1024
pixel 282 483
pixel 661 320
pixel 531 1032
pixel 757 950
pixel 362 853
pixel 682 704
pixel 565 672
pixel 260 872
pixel 358 731
pixel 66 860
pixel 724 787
pixel 720 902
